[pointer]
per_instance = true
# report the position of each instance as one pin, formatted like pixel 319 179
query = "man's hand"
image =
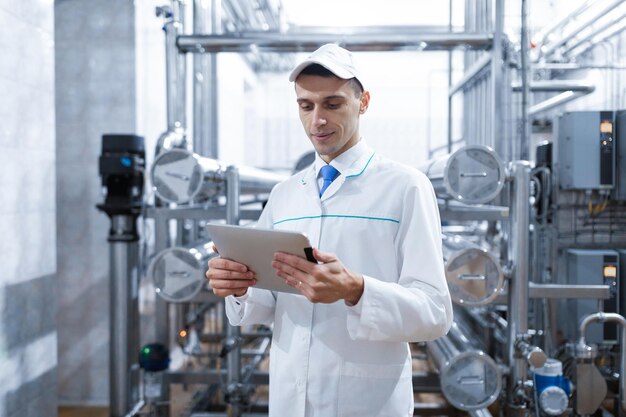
pixel 229 277
pixel 325 282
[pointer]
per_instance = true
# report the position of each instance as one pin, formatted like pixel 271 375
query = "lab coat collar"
pixel 351 163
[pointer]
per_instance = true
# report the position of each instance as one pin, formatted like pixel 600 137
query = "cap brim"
pixel 335 69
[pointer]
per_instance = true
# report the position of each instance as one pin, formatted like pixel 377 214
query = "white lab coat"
pixel 381 219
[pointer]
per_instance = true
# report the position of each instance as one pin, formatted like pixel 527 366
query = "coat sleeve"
pixel 257 306
pixel 417 307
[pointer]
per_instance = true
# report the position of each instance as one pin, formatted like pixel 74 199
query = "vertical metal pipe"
pixel 206 20
pixel 161 240
pixel 175 67
pixel 497 63
pixel 484 110
pixel 449 83
pixel 525 128
pixel 518 285
pixel 233 333
pixel 124 312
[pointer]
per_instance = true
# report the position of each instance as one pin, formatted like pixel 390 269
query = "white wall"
pixel 28 300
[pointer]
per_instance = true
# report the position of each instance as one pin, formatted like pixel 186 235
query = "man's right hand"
pixel 229 277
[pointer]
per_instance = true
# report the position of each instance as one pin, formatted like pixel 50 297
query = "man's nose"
pixel 319 118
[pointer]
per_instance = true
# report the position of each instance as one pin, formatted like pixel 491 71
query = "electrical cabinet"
pixel 620 159
pixel 586 150
pixel 622 277
pixel 592 267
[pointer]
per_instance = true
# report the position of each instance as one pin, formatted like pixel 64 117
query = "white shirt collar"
pixel 344 161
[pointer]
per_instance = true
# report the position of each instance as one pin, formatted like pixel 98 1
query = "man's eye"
pixel 333 106
pixel 305 107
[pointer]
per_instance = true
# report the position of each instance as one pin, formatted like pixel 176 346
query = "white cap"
pixel 332 57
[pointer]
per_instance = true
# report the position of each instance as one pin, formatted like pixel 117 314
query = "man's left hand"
pixel 324 282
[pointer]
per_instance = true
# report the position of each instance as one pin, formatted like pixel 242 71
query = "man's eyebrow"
pixel 335 97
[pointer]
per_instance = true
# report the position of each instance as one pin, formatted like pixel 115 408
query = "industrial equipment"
pixel 551 254
pixel 178 273
pixel 122 170
pixel 586 150
pixel 472 174
pixel 470 379
pixel 474 275
pixel 180 176
pixel 591 267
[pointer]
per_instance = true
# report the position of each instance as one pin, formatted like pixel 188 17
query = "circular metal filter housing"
pixel 474 174
pixel 471 381
pixel 474 277
pixel 178 274
pixel 177 176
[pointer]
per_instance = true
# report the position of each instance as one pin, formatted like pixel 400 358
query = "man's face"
pixel 329 111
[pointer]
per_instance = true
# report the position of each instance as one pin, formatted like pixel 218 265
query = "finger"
pixel 290 271
pixel 324 257
pixel 294 261
pixel 223 263
pixel 231 284
pixel 230 275
pixel 301 286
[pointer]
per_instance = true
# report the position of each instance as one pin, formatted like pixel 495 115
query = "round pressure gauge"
pixel 474 174
pixel 474 277
pixel 471 381
pixel 177 176
pixel 178 274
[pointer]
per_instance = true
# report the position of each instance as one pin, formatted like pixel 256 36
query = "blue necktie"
pixel 329 173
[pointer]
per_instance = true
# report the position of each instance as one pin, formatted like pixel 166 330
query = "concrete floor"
pixel 83 412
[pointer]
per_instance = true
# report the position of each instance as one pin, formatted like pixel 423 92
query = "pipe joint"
pixel 535 356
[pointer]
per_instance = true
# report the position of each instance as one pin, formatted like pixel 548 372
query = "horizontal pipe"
pixel 474 70
pixel 594 33
pixel 575 67
pixel 306 42
pixel 565 37
pixel 465 174
pixel 555 101
pixel 556 86
pixel 607 35
pixel 560 291
pixel 543 34
pixel 179 176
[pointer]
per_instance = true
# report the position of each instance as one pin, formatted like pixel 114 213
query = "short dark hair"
pixel 322 71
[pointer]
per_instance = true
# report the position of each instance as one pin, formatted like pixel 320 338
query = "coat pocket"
pixel 375 390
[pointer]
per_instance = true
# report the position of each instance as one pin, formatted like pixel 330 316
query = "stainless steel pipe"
pixel 206 19
pixel 602 317
pixel 175 79
pixel 473 174
pixel 178 272
pixel 470 379
pixel 473 274
pixel 234 386
pixel 124 313
pixel 519 247
pixel 180 176
pixel 306 42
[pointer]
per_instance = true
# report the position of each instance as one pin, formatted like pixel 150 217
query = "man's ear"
pixel 365 101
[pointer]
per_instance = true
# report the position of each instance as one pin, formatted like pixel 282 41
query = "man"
pixel 341 348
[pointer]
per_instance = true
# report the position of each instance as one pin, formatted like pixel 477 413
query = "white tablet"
pixel 255 248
